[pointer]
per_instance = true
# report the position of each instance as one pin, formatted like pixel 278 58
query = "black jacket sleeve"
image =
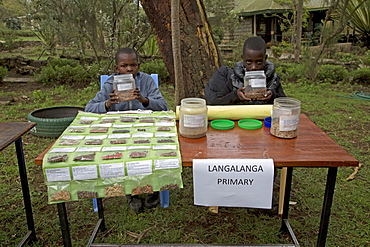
pixel 219 89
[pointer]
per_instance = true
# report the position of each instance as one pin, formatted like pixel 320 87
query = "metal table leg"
pixel 31 235
pixel 62 212
pixel 328 200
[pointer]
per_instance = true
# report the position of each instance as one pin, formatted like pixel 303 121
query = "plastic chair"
pixel 163 195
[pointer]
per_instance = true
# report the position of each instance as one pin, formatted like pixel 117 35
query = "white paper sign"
pixel 233 182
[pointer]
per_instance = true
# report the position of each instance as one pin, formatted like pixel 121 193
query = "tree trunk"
pixel 199 53
pixel 175 24
pixel 297 50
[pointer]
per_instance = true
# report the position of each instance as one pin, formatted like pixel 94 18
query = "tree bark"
pixel 297 50
pixel 175 24
pixel 199 53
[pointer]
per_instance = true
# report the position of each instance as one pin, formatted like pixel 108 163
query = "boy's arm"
pixel 97 104
pixel 219 89
pixel 154 96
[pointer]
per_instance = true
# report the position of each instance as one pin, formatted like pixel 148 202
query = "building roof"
pixel 257 7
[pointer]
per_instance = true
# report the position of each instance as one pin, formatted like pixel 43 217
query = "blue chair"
pixel 163 195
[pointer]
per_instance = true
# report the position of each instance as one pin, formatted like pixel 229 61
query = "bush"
pixel 346 57
pixel 155 67
pixel 361 76
pixel 67 71
pixel 332 74
pixel 3 72
pixel 291 72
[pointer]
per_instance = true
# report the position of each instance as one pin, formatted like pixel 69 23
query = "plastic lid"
pixel 222 124
pixel 267 122
pixel 249 124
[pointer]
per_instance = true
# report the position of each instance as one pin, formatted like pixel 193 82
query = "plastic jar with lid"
pixel 255 84
pixel 193 118
pixel 124 85
pixel 285 117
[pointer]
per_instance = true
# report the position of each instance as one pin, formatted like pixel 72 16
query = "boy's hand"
pixel 140 98
pixel 267 97
pixel 241 95
pixel 113 99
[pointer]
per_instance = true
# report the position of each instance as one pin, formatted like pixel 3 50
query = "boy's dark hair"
pixel 255 44
pixel 126 50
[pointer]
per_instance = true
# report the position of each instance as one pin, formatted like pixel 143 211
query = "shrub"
pixel 66 71
pixel 155 67
pixel 291 72
pixel 3 72
pixel 332 73
pixel 361 76
pixel 346 57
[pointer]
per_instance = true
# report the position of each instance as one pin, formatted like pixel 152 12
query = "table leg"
pixel 328 200
pixel 62 212
pixel 282 189
pixel 25 190
pixel 288 187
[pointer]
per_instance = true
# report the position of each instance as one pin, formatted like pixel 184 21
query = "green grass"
pixel 345 120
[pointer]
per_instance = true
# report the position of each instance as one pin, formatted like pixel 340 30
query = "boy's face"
pixel 254 60
pixel 127 64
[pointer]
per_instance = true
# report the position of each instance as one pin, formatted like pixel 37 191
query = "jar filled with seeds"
pixel 124 85
pixel 255 84
pixel 193 118
pixel 285 117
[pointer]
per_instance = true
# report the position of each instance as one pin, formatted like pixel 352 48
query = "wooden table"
pixel 12 132
pixel 311 148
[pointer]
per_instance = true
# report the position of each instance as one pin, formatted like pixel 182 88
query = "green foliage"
pixel 332 73
pixel 366 59
pixel 3 72
pixel 360 18
pixel 155 67
pixel 9 36
pixel 345 57
pixel 150 47
pixel 283 47
pixel 66 71
pixel 291 72
pixel 361 75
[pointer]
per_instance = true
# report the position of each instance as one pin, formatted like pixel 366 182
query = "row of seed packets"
pixel 106 155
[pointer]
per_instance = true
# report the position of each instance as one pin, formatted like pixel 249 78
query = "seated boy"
pixel 226 86
pixel 146 97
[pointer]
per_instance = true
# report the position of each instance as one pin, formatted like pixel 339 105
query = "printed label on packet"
pixel 73 137
pixel 118 148
pixel 62 150
pixel 157 134
pixel 139 167
pixel 112 170
pixel 167 164
pixel 84 172
pixel 58 174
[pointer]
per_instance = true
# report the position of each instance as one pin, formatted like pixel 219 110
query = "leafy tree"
pixel 358 13
pixel 221 17
pixel 330 34
pixel 100 25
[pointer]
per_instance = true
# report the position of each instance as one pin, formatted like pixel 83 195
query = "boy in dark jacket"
pixel 226 87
